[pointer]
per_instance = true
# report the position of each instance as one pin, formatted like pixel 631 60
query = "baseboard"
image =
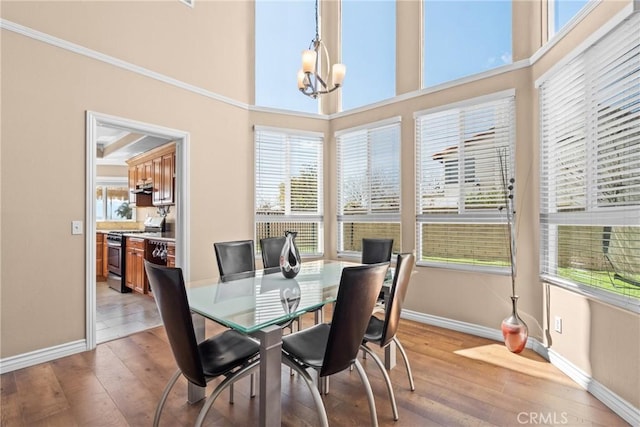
pixel 617 404
pixel 40 356
pixel 614 402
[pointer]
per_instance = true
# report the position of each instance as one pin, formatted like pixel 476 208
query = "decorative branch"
pixel 507 187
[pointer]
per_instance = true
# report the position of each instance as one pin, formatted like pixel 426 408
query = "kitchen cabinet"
pixel 135 276
pixel 171 254
pixel 167 177
pixel 100 260
pixel 157 167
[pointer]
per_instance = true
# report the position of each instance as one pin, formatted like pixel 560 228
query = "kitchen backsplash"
pixel 141 214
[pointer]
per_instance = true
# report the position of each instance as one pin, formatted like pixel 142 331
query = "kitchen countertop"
pixel 165 237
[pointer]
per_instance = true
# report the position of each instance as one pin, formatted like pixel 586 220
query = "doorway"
pixel 97 126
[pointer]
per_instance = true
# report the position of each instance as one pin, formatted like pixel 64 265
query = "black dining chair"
pixel 235 257
pixel 228 354
pixel 271 247
pixel 376 250
pixel 236 260
pixel 332 348
pixel 383 331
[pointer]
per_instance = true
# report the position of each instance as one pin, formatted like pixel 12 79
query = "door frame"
pixel 93 120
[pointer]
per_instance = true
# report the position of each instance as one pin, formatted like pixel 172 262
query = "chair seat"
pixel 375 330
pixel 225 351
pixel 308 345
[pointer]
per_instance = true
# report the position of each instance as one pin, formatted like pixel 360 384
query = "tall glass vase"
pixel 290 262
pixel 514 330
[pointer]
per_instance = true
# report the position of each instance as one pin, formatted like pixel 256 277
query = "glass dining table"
pixel 256 305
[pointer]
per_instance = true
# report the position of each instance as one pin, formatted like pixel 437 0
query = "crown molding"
pixel 107 59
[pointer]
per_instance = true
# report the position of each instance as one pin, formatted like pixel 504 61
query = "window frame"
pixel 106 181
pixel 311 218
pixel 463 216
pixel 582 74
pixel 368 217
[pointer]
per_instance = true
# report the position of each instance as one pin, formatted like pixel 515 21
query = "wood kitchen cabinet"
pixel 158 167
pixel 171 254
pixel 101 262
pixel 135 276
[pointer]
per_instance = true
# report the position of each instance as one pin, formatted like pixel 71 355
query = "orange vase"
pixel 514 330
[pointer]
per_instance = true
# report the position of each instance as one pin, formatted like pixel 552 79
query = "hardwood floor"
pixel 119 315
pixel 461 380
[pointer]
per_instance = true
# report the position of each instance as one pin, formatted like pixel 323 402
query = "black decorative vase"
pixel 290 257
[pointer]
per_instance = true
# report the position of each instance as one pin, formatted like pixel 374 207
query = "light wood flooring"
pixel 461 380
pixel 119 315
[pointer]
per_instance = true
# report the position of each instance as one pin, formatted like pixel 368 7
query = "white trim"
pixel 614 402
pixel 437 88
pixel 495 96
pixel 575 20
pixel 591 39
pixel 90 53
pixel 370 126
pixel 456 325
pixel 93 119
pixel 288 131
pixel 270 110
pixel 35 357
pixel 598 295
pixel 190 3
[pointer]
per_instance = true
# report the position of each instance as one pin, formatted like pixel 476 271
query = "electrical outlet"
pixel 76 227
pixel 558 324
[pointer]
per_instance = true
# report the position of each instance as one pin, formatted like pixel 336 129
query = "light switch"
pixel 76 227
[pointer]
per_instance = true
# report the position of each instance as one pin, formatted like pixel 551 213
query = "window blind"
pixel 590 169
pixel 459 151
pixel 368 184
pixel 288 187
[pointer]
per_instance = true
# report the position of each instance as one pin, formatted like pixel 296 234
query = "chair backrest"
pixel 168 289
pixel 357 294
pixel 271 247
pixel 376 250
pixel 235 257
pixel 404 267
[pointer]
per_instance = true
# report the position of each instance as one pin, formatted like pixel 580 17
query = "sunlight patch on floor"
pixel 526 363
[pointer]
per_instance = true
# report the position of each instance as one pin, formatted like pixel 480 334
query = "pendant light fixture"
pixel 317 77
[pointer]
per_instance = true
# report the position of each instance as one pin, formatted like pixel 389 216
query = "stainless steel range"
pixel 116 259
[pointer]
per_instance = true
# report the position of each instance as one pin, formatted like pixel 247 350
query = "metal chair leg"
pixel 228 382
pixel 406 363
pixel 317 399
pixel 367 386
pixel 387 380
pixel 163 399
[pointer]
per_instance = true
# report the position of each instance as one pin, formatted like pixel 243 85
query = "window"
pixel 563 11
pixel 288 187
pixel 283 30
pixel 459 149
pixel 368 161
pixel 112 200
pixel 590 177
pixel 462 38
pixel 368 51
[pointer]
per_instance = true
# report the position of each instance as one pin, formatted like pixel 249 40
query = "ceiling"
pixel 116 145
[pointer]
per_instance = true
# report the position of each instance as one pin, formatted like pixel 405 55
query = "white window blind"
pixel 459 183
pixel 288 187
pixel 368 163
pixel 590 169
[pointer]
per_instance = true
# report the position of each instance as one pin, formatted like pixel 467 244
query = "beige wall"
pixel 210 46
pixel 46 91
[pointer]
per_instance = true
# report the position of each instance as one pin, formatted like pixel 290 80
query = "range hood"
pixel 143 188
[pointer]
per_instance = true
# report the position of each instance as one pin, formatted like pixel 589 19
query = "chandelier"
pixel 315 65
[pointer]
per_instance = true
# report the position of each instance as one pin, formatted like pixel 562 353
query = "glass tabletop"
pixel 249 304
